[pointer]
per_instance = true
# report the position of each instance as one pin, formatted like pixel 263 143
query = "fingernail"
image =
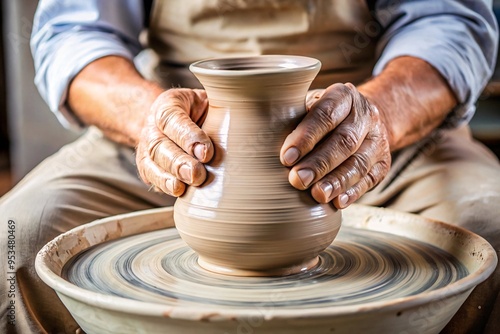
pixel 343 199
pixel 291 155
pixel 327 189
pixel 200 151
pixel 186 173
pixel 169 184
pixel 306 176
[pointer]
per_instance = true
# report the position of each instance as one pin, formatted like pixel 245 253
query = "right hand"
pixel 172 147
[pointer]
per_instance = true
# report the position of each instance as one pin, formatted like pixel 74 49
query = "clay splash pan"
pixel 384 273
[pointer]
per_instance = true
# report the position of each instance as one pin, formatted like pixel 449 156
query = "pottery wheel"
pixel 360 266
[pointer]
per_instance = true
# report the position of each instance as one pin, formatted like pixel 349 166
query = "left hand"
pixel 340 149
pixel 172 147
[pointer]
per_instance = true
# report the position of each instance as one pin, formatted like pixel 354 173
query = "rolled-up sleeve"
pixel 69 34
pixel 457 37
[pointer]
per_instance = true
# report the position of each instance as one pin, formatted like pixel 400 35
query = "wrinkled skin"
pixel 173 147
pixel 340 150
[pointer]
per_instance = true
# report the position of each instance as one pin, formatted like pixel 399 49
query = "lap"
pixel 456 180
pixel 89 179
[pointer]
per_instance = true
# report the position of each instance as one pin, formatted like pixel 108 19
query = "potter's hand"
pixel 172 147
pixel 340 149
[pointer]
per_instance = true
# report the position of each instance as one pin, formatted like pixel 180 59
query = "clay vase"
pixel 246 219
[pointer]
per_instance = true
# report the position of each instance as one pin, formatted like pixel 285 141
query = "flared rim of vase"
pixel 253 65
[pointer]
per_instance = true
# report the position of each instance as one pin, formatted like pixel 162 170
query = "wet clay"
pixel 247 219
pixel 360 267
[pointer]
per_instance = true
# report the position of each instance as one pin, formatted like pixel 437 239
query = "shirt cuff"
pixel 74 52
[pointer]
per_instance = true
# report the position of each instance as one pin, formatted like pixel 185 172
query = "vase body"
pixel 246 218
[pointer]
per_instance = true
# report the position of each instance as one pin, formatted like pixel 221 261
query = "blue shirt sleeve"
pixel 458 37
pixel 69 34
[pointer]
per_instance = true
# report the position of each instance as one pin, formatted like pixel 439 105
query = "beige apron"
pixel 340 33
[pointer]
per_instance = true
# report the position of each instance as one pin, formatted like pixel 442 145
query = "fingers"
pixel 330 148
pixel 325 115
pixel 358 174
pixel 176 112
pixel 329 154
pixel 340 149
pixel 370 180
pixel 156 176
pixel 344 176
pixel 173 159
pixel 161 180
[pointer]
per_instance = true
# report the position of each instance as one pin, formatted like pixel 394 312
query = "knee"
pixel 474 206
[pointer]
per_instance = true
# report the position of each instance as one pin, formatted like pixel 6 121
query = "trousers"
pixel 448 177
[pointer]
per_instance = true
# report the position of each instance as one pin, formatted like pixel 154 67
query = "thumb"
pixel 313 96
